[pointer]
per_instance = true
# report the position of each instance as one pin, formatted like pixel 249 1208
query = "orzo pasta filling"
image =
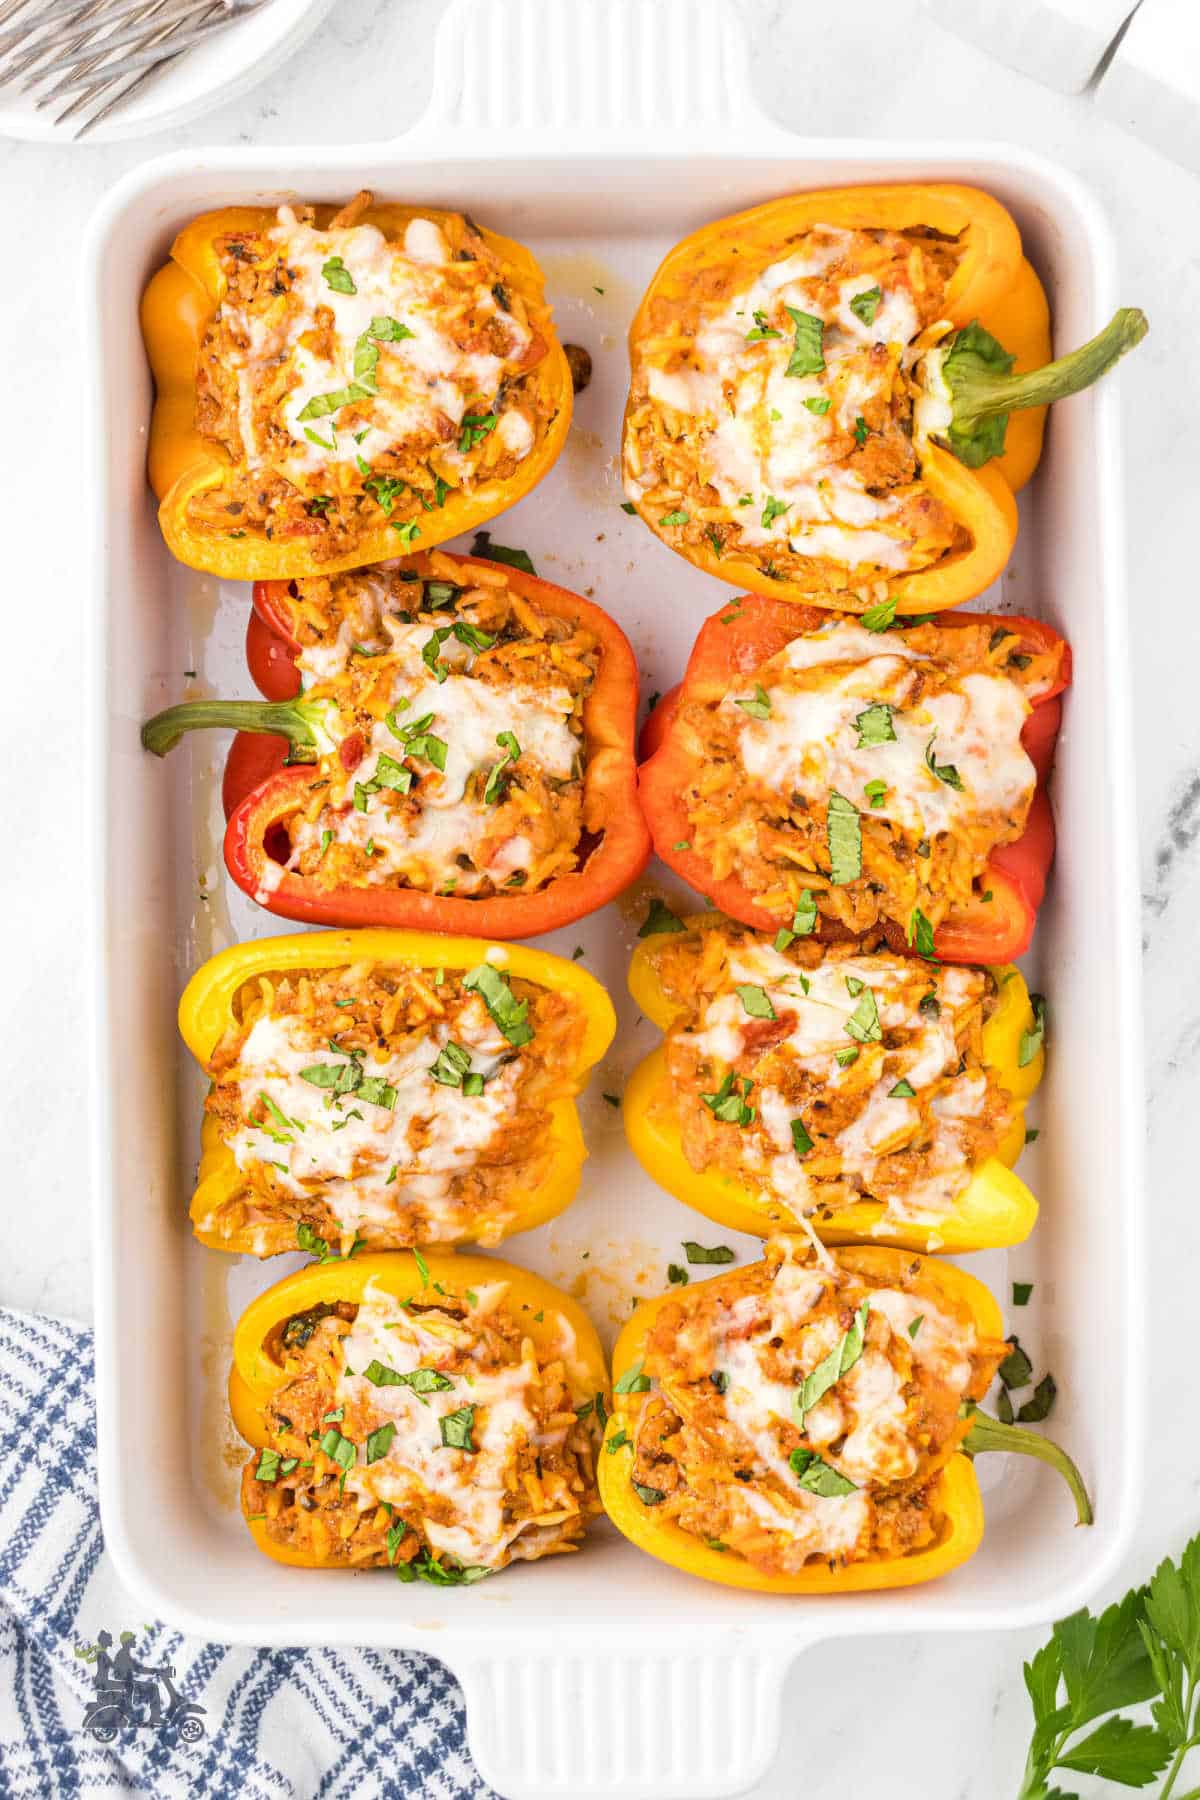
pixel 354 380
pixel 388 1106
pixel 830 1076
pixel 454 756
pixel 431 1435
pixel 750 1440
pixel 917 732
pixel 771 411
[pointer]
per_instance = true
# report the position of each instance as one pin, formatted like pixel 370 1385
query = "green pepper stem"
pixel 981 393
pixel 300 725
pixel 987 1433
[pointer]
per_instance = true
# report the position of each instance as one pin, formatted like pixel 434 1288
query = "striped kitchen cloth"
pixel 244 1724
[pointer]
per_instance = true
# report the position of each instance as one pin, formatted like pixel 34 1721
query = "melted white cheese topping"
pixel 418 1467
pixel 360 1157
pixel 760 441
pixel 866 1408
pixel 816 1033
pixel 809 744
pixel 417 377
pixel 469 716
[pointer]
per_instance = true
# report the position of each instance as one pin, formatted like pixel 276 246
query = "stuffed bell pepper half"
pixel 833 774
pixel 841 1089
pixel 336 385
pixel 436 1415
pixel 806 1425
pixel 378 1089
pixel 821 392
pixel 461 757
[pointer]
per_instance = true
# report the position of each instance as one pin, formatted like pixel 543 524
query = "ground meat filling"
pixel 741 1442
pixel 917 730
pixel 824 1077
pixel 386 1106
pixel 771 409
pixel 354 381
pixel 435 1436
pixel 456 758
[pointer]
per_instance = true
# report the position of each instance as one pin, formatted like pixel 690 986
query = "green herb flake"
pixel 843 829
pixel 864 306
pixel 863 1024
pixel 815 1476
pixel 1021 1291
pixel 801 1142
pixel 703 1253
pixel 808 354
pixel 874 725
pixel 456 1428
pixel 881 617
pixel 508 1013
pixel 755 1001
pixel 916 1326
pixel 804 921
pixel 676 1276
pixel 632 1381
pixel 874 792
pixel 679 517
pixel 759 707
pixel 1032 1039
pixel 920 933
pixel 818 404
pixel 831 1368
pixel 903 1090
pixel 659 919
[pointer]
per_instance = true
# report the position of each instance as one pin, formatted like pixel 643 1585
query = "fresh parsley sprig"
pixel 1144 1647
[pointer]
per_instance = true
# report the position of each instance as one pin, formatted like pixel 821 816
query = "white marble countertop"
pixel 949 1713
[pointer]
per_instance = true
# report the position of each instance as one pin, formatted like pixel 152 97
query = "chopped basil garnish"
pixel 808 356
pixel 728 1105
pixel 804 923
pixel 339 1449
pixel 875 726
pixel 647 1495
pixel 874 791
pixel 944 771
pixel 843 829
pixel 831 1368
pixel 678 517
pixel 506 1011
pixel 1021 1290
pixel 881 617
pixel 660 918
pixel 456 1429
pixel 338 277
pixel 703 1253
pixel 920 933
pixel 1016 1371
pixel 1039 1408
pixel 632 1381
pixel 903 1090
pixel 864 306
pixel 755 1000
pixel 759 707
pixel 676 1276
pixel 819 405
pixel 816 1476
pixel 774 509
pixel 801 1142
pixel 617 1441
pixel 379 1441
pixel 1032 1040
pixel 844 1058
pixel 916 1326
pixel 501 553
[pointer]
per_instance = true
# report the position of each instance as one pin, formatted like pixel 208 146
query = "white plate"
pixel 204 77
pixel 603 1673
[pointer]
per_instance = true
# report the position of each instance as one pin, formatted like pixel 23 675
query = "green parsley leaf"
pixel 660 918
pixel 508 1013
pixel 864 306
pixel 843 830
pixel 831 1368
pixel 808 355
pixel 704 1253
pixel 755 1000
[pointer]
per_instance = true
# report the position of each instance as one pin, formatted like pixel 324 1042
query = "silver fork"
pixel 88 48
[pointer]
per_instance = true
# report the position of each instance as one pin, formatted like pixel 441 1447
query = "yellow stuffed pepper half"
pixel 876 1097
pixel 377 1089
pixel 336 386
pixel 805 1425
pixel 437 1415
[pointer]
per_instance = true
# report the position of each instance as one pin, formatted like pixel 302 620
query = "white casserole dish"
pixel 599 134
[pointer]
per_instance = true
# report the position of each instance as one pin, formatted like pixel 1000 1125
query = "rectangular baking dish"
pixel 598 133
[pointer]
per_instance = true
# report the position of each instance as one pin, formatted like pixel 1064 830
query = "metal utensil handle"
pixel 569 76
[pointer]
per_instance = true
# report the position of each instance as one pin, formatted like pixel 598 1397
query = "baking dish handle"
pixel 621 1721
pixel 566 78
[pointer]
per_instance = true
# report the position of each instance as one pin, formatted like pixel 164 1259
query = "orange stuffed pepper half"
pixel 865 1095
pixel 438 1416
pixel 805 1425
pixel 821 388
pixel 377 1089
pixel 811 774
pixel 338 385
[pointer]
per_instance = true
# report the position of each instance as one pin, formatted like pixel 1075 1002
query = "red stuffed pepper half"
pixel 447 744
pixel 839 775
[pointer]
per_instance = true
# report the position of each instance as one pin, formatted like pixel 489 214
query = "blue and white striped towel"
pixel 278 1723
